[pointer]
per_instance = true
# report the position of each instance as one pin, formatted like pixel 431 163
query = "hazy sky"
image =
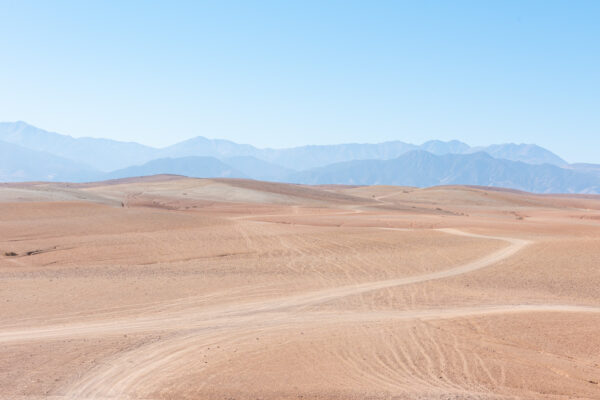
pixel 284 73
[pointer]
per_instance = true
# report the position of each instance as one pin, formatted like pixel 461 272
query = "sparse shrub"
pixel 10 254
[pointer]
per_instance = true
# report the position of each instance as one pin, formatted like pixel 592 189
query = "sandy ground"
pixel 175 288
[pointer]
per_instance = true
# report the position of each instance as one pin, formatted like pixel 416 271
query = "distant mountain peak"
pixel 421 168
pixel 441 147
pixel 526 152
pixel 198 167
pixel 48 156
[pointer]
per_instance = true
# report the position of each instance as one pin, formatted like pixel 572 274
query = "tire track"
pixel 194 328
pixel 186 317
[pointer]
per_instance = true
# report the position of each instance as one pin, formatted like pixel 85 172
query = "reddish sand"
pixel 175 288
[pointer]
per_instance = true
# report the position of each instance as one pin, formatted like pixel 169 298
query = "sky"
pixel 289 73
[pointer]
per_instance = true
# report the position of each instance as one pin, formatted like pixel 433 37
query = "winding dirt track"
pixel 192 328
pixel 390 334
pixel 192 318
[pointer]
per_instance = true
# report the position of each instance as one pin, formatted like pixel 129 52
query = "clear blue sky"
pixel 284 73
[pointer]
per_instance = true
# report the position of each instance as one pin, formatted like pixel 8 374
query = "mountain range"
pixel 29 153
pixel 421 168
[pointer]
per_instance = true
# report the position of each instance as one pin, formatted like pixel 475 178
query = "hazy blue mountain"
pixel 586 168
pixel 201 146
pixel 18 164
pixel 258 169
pixel 197 167
pixel 43 155
pixel 528 153
pixel 296 158
pixel 421 169
pixel 305 157
pixel 101 154
pixel 438 147
pixel 108 155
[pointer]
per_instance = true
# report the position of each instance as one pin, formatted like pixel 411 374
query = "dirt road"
pixel 283 301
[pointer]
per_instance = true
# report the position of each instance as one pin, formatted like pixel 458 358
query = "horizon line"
pixel 276 148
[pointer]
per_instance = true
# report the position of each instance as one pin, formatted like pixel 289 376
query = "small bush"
pixel 10 254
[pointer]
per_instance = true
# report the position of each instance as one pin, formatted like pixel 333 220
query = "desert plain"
pixel 169 287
